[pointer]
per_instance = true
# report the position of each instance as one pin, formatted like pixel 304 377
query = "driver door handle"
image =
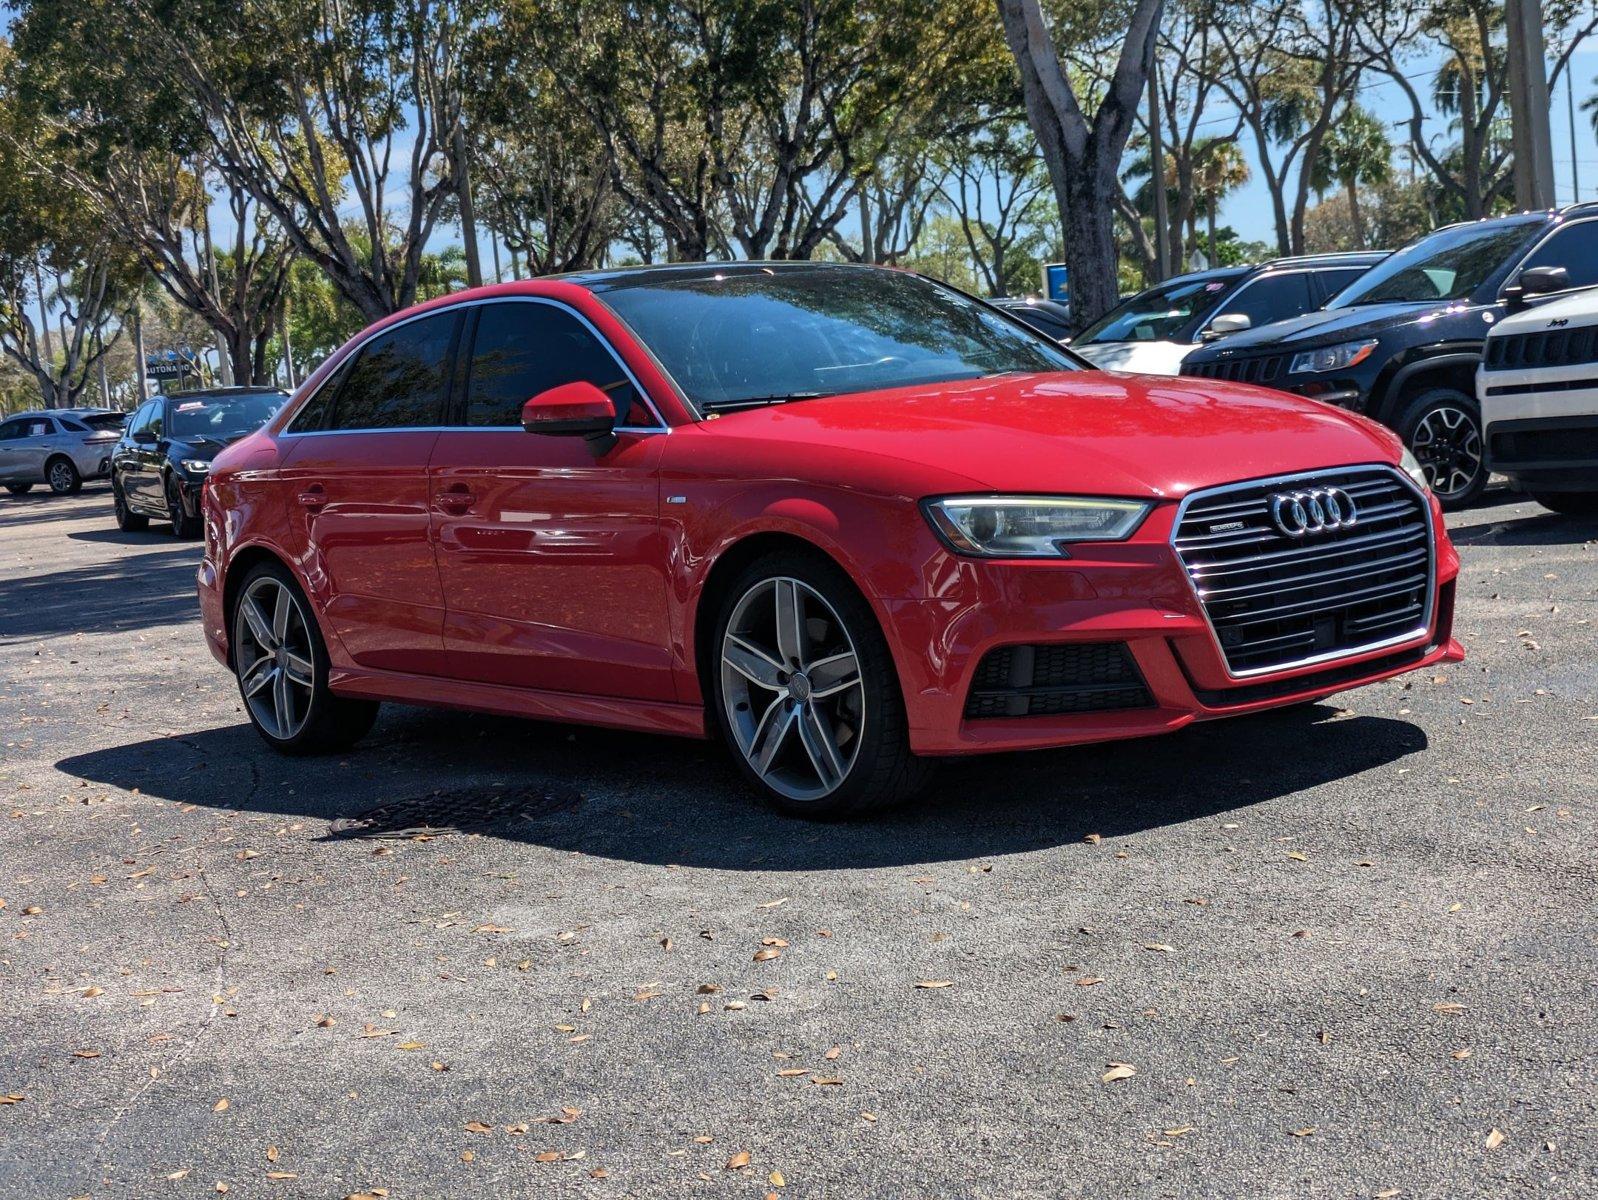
pixel 313 497
pixel 456 498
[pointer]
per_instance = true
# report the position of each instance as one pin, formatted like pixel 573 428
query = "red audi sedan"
pixel 843 517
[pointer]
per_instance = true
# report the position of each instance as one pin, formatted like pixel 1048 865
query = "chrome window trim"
pixel 1397 640
pixel 289 431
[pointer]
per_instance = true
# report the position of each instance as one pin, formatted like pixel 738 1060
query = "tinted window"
pixel 1575 248
pixel 522 349
pixel 1333 282
pixel 141 418
pixel 30 427
pixel 12 430
pixel 1270 298
pixel 314 412
pixel 1447 265
pixel 156 421
pixel 1159 314
pixel 397 382
pixel 110 420
pixel 223 417
pixel 72 426
pixel 758 335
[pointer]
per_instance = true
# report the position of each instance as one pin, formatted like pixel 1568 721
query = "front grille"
pixel 1265 369
pixel 1037 681
pixel 1276 601
pixel 1549 348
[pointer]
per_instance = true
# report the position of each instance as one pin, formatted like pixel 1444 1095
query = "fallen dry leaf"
pixel 1088 981
pixel 85 1054
pixel 738 1161
pixel 1495 1139
pixel 544 1156
pixel 767 954
pixel 478 1127
pixel 221 1105
pixel 934 983
pixel 1119 1071
pixel 1305 1132
pixel 775 1179
pixel 1160 946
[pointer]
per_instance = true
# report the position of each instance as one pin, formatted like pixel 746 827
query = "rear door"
pixel 355 482
pixel 34 446
pixel 551 556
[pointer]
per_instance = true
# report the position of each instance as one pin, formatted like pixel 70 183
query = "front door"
pixel 355 483
pixel 11 434
pixel 550 555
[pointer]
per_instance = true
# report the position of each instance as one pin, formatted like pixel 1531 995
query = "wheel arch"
pixel 238 566
pixel 1456 369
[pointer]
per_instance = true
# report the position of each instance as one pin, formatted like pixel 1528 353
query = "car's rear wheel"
pixel 1442 428
pixel 183 525
pixel 1570 504
pixel 282 667
pixel 128 521
pixel 806 694
pixel 62 477
pixel 19 489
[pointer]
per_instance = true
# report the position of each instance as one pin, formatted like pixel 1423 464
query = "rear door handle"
pixel 313 497
pixel 456 498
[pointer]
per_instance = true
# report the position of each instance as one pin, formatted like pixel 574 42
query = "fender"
pixel 1451 357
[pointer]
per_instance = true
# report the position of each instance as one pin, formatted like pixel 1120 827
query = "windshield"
pixel 1158 314
pixel 1448 265
pixel 752 336
pixel 222 417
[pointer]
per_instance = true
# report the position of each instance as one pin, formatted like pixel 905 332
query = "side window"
pixel 1575 248
pixel 72 426
pixel 397 379
pixel 1333 281
pixel 523 348
pixel 11 430
pixel 38 427
pixel 155 419
pixel 1272 298
pixel 314 412
pixel 139 419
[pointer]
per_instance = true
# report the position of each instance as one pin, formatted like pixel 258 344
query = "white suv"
pixel 1538 388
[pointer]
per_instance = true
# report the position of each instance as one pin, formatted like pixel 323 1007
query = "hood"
pixel 1570 312
pixel 1084 432
pixel 1325 327
pixel 1144 358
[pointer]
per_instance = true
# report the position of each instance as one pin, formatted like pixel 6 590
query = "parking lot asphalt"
pixel 1340 951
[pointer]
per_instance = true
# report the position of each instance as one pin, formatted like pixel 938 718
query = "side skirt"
pixel 646 716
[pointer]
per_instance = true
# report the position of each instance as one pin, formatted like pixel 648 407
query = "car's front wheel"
pixel 806 694
pixel 183 525
pixel 63 477
pixel 128 521
pixel 1569 504
pixel 1442 428
pixel 282 667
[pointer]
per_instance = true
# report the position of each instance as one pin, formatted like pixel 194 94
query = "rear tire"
pixel 63 477
pixel 804 691
pixel 183 525
pixel 1442 428
pixel 128 521
pixel 19 489
pixel 1569 504
pixel 281 663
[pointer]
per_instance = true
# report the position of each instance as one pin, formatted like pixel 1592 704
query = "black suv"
pixel 1402 343
pixel 161 462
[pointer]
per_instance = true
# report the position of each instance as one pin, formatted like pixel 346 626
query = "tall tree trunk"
pixel 139 367
pixel 1354 214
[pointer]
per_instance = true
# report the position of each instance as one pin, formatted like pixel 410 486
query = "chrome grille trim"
pixel 1390 582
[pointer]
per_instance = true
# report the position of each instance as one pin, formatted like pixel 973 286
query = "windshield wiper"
pixel 762 401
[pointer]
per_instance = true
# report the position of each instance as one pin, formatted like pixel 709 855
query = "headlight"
pixel 1332 358
pixel 196 466
pixel 1411 467
pixel 1031 526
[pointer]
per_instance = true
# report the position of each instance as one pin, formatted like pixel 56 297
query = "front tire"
pixel 1442 428
pixel 128 521
pixel 804 690
pixel 281 663
pixel 183 525
pixel 63 477
pixel 1569 504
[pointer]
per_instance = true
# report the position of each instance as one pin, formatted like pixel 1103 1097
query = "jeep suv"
pixel 1402 344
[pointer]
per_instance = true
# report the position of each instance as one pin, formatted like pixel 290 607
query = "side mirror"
pixel 1538 281
pixel 573 410
pixel 1227 323
pixel 143 437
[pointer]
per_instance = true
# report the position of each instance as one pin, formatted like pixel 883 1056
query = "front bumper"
pixel 1136 593
pixel 1541 427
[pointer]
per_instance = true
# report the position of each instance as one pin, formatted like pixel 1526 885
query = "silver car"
pixel 61 448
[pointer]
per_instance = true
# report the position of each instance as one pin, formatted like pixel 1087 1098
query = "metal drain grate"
pixel 469 810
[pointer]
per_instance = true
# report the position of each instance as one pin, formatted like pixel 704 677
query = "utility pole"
pixel 1162 220
pixel 1528 102
pixel 463 185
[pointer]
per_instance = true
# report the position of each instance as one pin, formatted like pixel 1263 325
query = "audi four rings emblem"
pixel 1316 510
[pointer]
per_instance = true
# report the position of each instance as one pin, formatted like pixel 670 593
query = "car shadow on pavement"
pixel 1542 529
pixel 134 592
pixel 665 801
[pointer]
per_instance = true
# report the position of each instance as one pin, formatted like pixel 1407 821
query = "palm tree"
pixel 1219 167
pixel 1356 152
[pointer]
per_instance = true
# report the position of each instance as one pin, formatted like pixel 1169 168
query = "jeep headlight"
pixel 1031 526
pixel 1331 358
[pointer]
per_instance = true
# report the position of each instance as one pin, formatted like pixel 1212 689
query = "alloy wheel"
pixel 792 688
pixel 276 667
pixel 1447 444
pixel 60 477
